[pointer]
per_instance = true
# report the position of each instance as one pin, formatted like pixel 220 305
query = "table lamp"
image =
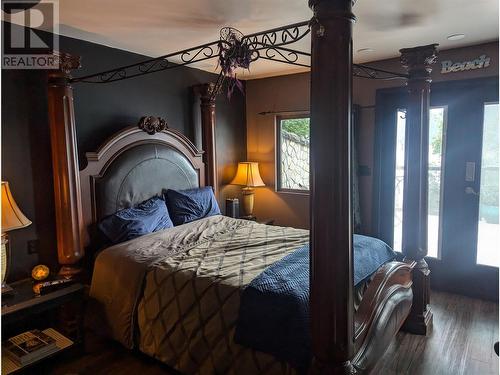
pixel 248 176
pixel 12 218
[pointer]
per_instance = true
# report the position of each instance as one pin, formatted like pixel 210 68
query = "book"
pixel 9 366
pixel 29 347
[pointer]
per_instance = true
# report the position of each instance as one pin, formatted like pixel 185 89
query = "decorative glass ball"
pixel 40 272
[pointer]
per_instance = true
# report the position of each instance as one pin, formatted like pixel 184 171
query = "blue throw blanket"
pixel 274 308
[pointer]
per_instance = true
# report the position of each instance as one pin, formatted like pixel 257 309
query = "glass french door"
pixel 463 183
pixel 468 244
pixel 488 236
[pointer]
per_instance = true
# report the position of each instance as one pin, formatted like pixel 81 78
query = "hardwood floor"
pixel 107 358
pixel 465 330
pixel 461 342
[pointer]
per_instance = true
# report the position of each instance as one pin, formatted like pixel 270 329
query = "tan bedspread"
pixel 183 287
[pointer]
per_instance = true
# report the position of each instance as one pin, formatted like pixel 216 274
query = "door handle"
pixel 470 190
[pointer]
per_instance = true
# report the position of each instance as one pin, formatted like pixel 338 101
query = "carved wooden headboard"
pixel 135 164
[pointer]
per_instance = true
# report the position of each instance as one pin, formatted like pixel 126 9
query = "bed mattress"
pixel 175 294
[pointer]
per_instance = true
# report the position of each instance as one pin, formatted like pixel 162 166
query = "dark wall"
pixel 100 111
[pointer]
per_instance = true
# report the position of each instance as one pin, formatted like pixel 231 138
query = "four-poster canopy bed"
pixel 343 340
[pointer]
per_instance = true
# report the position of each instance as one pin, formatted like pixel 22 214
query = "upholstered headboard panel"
pixel 143 171
pixel 133 166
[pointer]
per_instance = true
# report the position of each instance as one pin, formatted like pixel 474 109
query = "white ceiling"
pixel 157 27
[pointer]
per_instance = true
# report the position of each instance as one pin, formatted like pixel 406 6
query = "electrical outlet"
pixel 33 246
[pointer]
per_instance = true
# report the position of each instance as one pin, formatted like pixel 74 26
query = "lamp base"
pixel 70 272
pixel 6 290
pixel 4 258
pixel 247 201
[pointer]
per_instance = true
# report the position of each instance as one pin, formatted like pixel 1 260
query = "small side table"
pixel 267 221
pixel 23 309
pixel 62 309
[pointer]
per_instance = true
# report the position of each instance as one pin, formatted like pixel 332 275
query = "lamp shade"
pixel 12 217
pixel 248 175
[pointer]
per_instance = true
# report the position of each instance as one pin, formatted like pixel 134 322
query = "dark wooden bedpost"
pixel 65 165
pixel 207 105
pixel 331 228
pixel 418 62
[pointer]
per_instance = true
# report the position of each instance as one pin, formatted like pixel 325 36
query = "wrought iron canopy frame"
pixel 267 45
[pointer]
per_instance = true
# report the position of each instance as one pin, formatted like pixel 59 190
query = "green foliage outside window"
pixel 298 126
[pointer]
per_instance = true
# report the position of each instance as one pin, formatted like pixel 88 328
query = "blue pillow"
pixel 147 217
pixel 185 206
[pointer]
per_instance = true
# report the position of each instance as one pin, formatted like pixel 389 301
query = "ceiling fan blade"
pixel 398 14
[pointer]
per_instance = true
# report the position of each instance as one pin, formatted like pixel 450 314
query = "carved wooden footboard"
pixel 381 313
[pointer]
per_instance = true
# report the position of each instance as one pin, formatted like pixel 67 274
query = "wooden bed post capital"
pixel 67 197
pixel 207 96
pixel 331 299
pixel 418 61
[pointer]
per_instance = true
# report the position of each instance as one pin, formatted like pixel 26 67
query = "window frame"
pixel 277 126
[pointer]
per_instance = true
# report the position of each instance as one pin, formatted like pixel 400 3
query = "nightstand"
pixel 267 221
pixel 62 309
pixel 23 310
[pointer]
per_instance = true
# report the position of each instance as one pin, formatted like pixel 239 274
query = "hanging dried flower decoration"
pixel 234 53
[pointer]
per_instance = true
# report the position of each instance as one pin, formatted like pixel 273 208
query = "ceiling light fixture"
pixel 455 36
pixel 365 50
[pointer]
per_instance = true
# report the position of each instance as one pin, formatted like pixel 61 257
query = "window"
pixel 399 179
pixel 437 125
pixel 292 154
pixel 489 192
pixel 437 117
